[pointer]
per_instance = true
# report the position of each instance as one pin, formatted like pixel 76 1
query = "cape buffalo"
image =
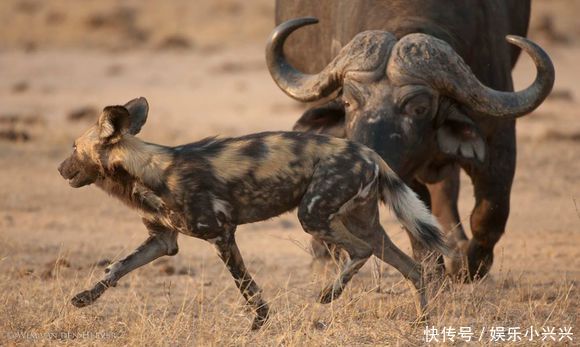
pixel 426 84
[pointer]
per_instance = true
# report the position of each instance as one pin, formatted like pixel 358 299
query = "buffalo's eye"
pixel 418 106
pixel 416 110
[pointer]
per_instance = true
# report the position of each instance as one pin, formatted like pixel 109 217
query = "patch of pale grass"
pixel 378 308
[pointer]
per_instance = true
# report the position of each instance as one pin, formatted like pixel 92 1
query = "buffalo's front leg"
pixel 488 222
pixel 492 187
pixel 157 245
pixel 230 254
pixel 444 195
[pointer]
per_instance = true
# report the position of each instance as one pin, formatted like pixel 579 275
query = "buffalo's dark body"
pixel 476 30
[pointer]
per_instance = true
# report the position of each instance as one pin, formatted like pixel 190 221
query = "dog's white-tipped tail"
pixel 411 211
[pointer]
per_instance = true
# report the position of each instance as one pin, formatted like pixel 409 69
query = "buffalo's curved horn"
pixel 423 57
pixel 298 85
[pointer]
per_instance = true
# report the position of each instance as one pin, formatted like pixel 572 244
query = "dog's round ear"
pixel 113 123
pixel 138 109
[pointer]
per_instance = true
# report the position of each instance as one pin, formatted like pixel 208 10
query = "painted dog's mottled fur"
pixel 205 189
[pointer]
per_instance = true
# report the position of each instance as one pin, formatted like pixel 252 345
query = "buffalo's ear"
pixel 324 119
pixel 113 123
pixel 138 109
pixel 458 136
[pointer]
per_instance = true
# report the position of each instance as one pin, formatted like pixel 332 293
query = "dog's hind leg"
pixel 161 242
pixel 359 252
pixel 388 252
pixel 329 198
pixel 230 254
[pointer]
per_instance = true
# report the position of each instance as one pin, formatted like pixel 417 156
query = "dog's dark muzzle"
pixel 74 175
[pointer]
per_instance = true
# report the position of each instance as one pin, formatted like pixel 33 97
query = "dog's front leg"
pixel 160 243
pixel 230 254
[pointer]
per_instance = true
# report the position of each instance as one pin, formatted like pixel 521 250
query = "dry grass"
pixel 52 236
pixel 152 308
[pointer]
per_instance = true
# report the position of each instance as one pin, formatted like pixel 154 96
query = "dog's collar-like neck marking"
pixel 146 162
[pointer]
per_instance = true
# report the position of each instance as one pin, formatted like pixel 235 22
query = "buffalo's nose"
pixel 60 169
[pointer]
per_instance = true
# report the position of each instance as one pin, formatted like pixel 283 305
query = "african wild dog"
pixel 205 189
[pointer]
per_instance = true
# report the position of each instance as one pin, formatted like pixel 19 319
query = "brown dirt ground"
pixel 200 64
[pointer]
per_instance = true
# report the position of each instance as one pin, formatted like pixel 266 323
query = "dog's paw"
pixel 83 299
pixel 258 323
pixel 262 314
pixel 328 295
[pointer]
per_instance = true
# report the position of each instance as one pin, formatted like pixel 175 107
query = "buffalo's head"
pixel 403 97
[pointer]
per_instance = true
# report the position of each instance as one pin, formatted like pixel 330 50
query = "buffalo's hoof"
pixel 83 299
pixel 479 260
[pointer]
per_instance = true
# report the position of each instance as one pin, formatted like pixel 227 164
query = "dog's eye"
pixel 74 146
